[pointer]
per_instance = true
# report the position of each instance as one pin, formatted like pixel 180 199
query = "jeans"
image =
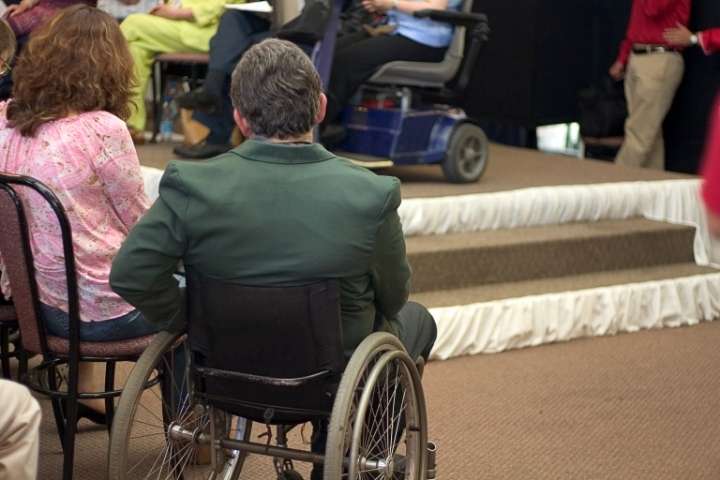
pixel 130 325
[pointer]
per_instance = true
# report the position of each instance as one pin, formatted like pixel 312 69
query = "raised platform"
pixel 548 248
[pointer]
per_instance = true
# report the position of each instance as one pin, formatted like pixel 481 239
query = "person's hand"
pixel 377 6
pixel 172 12
pixel 617 71
pixel 678 36
pixel 19 8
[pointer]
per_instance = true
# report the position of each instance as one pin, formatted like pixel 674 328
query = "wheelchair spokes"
pixel 382 447
pixel 383 430
pixel 159 432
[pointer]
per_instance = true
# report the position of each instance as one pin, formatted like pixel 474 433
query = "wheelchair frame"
pixel 347 453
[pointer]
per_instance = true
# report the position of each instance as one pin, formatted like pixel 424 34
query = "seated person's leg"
pixel 220 124
pixel 19 432
pixel 148 35
pixel 418 330
pixel 236 33
pixel 355 63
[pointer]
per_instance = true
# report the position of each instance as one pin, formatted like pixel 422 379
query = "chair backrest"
pixel 456 50
pixel 18 260
pixel 272 354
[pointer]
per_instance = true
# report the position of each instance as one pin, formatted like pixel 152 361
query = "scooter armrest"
pixel 458 19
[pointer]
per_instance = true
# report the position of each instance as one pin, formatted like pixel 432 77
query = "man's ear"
pixel 322 110
pixel 242 124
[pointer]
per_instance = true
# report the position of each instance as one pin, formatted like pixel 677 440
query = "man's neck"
pixel 304 138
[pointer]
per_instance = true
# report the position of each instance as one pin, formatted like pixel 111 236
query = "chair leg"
pixel 157 99
pixel 57 404
pixel 109 386
pixel 5 350
pixel 71 412
pixel 22 362
pixel 69 443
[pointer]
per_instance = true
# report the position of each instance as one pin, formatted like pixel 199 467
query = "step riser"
pixel 461 268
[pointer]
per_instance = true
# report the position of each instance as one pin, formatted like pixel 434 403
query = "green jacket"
pixel 271 215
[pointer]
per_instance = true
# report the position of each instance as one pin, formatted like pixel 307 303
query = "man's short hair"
pixel 277 89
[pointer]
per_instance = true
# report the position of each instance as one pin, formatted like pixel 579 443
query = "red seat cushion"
pixel 132 347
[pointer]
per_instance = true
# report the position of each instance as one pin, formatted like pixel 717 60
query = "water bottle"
pixel 169 113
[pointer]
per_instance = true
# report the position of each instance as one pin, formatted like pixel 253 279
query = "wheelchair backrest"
pixel 272 354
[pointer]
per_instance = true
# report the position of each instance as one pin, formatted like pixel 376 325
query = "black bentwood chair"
pixel 47 378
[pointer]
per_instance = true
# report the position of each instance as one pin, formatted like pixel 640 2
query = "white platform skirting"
pixel 521 322
pixel 673 201
pixel 490 327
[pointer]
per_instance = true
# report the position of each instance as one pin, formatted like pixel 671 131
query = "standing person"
pixel 19 432
pixel 184 27
pixel 73 138
pixel 681 36
pixel 653 70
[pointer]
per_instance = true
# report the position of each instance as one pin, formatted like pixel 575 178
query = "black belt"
pixel 640 49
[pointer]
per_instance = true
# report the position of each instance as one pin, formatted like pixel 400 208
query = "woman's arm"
pixel 172 12
pixel 17 9
pixel 118 168
pixel 407 6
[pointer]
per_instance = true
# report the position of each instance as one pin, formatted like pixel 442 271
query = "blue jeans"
pixel 130 325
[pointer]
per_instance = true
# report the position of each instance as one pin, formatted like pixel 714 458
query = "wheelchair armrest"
pixel 459 19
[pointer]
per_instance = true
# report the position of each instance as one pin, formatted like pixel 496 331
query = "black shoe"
pixel 200 100
pixel 201 150
pixel 91 414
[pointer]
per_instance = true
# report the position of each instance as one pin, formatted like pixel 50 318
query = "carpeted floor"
pixel 509 169
pixel 640 406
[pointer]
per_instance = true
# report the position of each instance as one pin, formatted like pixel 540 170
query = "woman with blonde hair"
pixel 65 126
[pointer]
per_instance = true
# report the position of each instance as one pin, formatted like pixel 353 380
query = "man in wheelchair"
pixel 287 246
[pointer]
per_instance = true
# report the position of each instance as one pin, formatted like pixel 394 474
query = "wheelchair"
pixel 408 113
pixel 273 356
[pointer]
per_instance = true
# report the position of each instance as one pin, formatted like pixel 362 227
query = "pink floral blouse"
pixel 89 162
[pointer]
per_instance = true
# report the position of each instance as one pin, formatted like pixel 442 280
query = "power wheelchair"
pixel 408 113
pixel 273 356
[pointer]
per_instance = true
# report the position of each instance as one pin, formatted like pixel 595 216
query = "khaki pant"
pixel 650 84
pixel 19 432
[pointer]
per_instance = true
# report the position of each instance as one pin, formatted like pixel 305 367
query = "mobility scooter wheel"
pixel 467 154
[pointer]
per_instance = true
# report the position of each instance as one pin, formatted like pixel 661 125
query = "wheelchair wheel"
pixel 467 154
pixel 159 432
pixel 378 425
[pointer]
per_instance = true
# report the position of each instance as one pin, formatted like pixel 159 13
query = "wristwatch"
pixel 693 39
